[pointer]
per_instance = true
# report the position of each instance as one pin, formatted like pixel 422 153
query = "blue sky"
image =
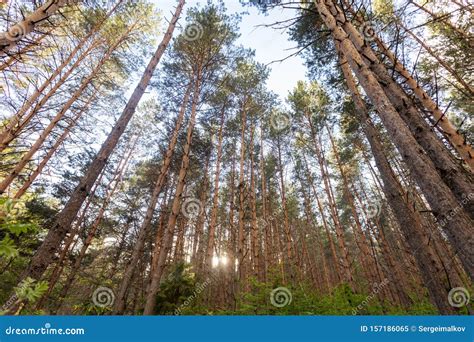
pixel 269 44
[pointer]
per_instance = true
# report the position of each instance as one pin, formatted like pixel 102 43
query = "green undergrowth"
pixel 184 295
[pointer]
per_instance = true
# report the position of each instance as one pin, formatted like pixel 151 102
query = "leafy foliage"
pixel 31 290
pixel 12 224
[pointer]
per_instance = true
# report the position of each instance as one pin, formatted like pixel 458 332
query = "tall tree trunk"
pixel 368 262
pixel 267 242
pixel 332 206
pixel 254 241
pixel 120 249
pixel 70 243
pixel 119 305
pixel 160 230
pixel 111 189
pixel 232 249
pixel 215 198
pixel 179 247
pixel 339 274
pixel 311 223
pixel 17 124
pixel 175 209
pixel 241 252
pixel 408 219
pixel 10 39
pixel 286 221
pixel 468 88
pixel 199 244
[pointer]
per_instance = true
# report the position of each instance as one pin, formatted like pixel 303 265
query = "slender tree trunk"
pixel 337 266
pixel 393 272
pixel 332 206
pixel 9 63
pixel 267 242
pixel 119 305
pixel 32 177
pixel 21 119
pixel 10 39
pixel 358 232
pixel 11 131
pixel 164 215
pixel 469 89
pixel 254 242
pixel 200 252
pixel 116 257
pixel 310 221
pixel 445 20
pixel 59 116
pixel 286 222
pixel 232 250
pixel 215 198
pixel 241 253
pixel 179 247
pixel 170 227
pixel 70 243
pixel 409 221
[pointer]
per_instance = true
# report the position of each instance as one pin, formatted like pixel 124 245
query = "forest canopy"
pixel 147 167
